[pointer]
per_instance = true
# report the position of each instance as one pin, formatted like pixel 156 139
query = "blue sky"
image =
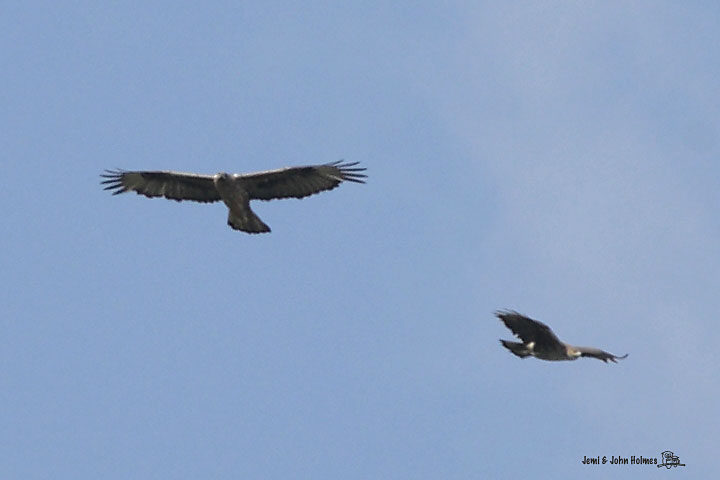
pixel 557 158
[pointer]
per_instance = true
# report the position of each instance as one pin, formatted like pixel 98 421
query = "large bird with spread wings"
pixel 236 190
pixel 540 342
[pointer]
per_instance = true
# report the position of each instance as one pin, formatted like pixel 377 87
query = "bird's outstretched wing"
pixel 173 185
pixel 527 329
pixel 299 182
pixel 599 354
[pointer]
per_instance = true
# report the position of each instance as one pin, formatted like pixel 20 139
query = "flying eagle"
pixel 236 190
pixel 540 342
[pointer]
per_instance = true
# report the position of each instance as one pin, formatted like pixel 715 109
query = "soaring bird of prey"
pixel 540 342
pixel 236 190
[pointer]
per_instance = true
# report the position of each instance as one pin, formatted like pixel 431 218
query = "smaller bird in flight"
pixel 540 342
pixel 236 190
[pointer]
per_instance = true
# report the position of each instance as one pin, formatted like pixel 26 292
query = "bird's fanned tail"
pixel 249 223
pixel 516 348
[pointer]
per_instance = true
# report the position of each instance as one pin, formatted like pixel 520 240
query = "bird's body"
pixel 539 341
pixel 237 199
pixel 235 190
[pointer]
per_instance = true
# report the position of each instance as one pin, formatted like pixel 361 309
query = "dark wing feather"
pixel 527 329
pixel 299 182
pixel 599 354
pixel 173 185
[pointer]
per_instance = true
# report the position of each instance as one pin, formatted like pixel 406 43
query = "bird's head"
pixel 573 353
pixel 222 178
